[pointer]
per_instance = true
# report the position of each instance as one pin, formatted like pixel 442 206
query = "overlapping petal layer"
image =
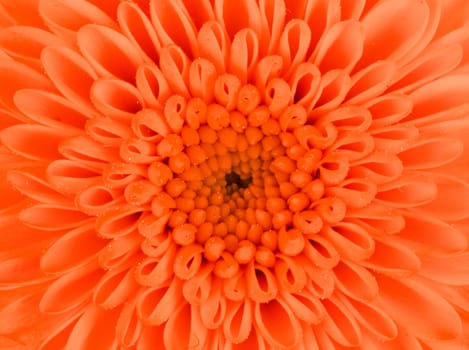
pixel 268 174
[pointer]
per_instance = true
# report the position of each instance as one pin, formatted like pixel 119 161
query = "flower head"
pixel 268 174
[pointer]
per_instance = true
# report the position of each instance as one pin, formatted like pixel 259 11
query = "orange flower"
pixel 226 175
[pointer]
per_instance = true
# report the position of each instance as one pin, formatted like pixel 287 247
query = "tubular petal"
pixel 213 310
pixel 151 338
pixel 214 44
pixel 174 64
pixel 355 281
pixel 341 47
pixel 305 306
pixel 69 177
pixel 156 271
pixel 350 240
pixel 389 109
pixel 21 270
pixel 340 323
pixel 152 85
pixel 116 98
pixel 333 87
pixel 244 54
pixel 65 19
pixel 248 15
pixel 156 305
pixel 237 324
pixel 128 326
pixel 370 82
pixel 277 323
pixel 75 248
pixel 115 288
pixel 110 53
pixel 371 317
pixel 139 30
pixel 261 283
pixel 197 290
pixel 173 24
pixel 406 301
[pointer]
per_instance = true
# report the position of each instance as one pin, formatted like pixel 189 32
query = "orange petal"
pixel 214 44
pixel 95 328
pixel 379 167
pixel 304 85
pixel 24 12
pixel 128 327
pixel 116 98
pixel 407 302
pixel 370 82
pixel 333 88
pixel 25 44
pixel 156 305
pixel 248 15
pixel 115 288
pixel 290 274
pixel 380 217
pixel 340 47
pixel 261 283
pixel 173 25
pixel 35 188
pixel 135 24
pixel 442 95
pixel 355 192
pixel 151 338
pixel 273 17
pixel 294 43
pixel 355 281
pixel 49 110
pixel 238 321
pixel 451 202
pixel 187 325
pixel 350 240
pixel 277 323
pixel 385 40
pixel 348 118
pixel 202 77
pixel 107 131
pixel 392 258
pixel 408 192
pixel 75 248
pixel 156 271
pixel 431 235
pixel 198 289
pixel 340 323
pixel 305 306
pixel 70 290
pixel 110 53
pixel 389 109
pixel 120 252
pixel 52 217
pixel 244 54
pixel 18 271
pixel 71 74
pixel 70 177
pixel 174 64
pixel 371 317
pixel 213 310
pixel 65 19
pixel 427 67
pixel 152 85
pixel 451 270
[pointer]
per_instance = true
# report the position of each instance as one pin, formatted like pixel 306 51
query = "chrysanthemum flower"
pixel 234 174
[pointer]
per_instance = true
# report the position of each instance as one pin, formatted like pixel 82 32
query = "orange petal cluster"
pixel 227 175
